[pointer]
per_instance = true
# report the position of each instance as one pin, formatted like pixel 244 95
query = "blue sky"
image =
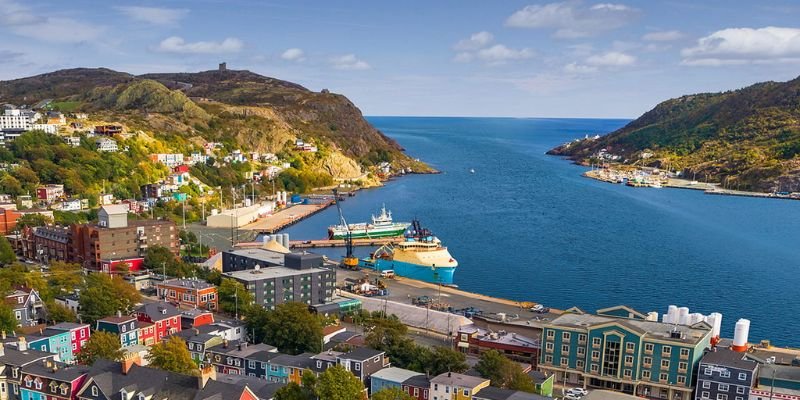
pixel 449 58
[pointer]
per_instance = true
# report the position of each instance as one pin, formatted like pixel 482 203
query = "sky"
pixel 574 58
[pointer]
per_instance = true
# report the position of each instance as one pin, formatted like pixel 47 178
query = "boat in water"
pixel 381 226
pixel 420 256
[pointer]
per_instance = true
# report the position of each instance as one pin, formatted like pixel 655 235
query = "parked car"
pixel 580 392
pixel 540 309
pixel 570 396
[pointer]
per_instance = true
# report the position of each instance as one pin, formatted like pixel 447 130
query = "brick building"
pixel 191 293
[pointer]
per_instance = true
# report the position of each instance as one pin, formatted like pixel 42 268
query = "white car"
pixel 571 396
pixel 537 308
pixel 578 392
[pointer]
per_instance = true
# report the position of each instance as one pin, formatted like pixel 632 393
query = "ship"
pixel 420 255
pixel 381 226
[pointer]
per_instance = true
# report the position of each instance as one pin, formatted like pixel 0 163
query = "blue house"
pixel 389 378
pixel 122 326
pixel 53 341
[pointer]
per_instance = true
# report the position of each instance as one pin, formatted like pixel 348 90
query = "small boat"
pixel 471 171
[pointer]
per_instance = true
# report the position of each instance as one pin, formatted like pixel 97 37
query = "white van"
pixel 389 273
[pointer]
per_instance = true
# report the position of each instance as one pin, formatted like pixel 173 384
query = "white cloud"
pixel 154 15
pixel 575 68
pixel 663 36
pixel 476 41
pixel 572 19
pixel 349 62
pixel 611 59
pixel 745 45
pixel 293 54
pixel 500 54
pixel 47 27
pixel 175 44
pixel 463 57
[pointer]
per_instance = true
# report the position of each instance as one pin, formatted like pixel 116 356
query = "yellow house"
pixel 453 386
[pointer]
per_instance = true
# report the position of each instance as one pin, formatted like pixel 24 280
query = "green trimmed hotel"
pixel 621 349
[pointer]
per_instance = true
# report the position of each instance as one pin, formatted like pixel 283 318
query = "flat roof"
pixel 267 256
pixel 394 374
pixel 728 358
pixel 608 395
pixel 461 380
pixel 251 275
pixel 689 334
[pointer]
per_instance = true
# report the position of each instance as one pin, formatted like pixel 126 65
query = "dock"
pixel 286 217
pixel 310 244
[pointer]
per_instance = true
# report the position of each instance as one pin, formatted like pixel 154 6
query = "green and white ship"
pixel 381 226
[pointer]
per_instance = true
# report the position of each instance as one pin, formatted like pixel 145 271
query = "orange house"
pixel 191 293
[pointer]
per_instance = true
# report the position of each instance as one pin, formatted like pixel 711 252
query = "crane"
pixel 350 261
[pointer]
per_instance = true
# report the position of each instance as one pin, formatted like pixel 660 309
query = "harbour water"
pixel 527 226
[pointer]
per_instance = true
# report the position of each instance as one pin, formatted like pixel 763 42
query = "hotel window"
pixel 704 395
pixel 630 346
pixel 662 377
pixel 664 364
pixel 581 351
pixel 565 348
pixel 565 335
pixel 684 353
pixel 549 347
pixel 648 348
pixel 721 396
pixel 580 364
pixel 551 334
pixel 596 342
pixel 666 350
pixel 595 355
pixel 706 384
pixel 611 358
pixel 595 368
pixel 682 366
pixel 564 361
pixel 548 359
pixel 646 374
pixel 647 361
pixel 628 361
pixel 582 338
pixel 681 380
pixel 627 373
pixel 723 387
pixel 740 389
pixel 742 376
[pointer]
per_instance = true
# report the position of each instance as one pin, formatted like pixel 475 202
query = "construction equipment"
pixel 350 261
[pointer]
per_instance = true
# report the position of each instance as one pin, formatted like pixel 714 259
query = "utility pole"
pixel 236 299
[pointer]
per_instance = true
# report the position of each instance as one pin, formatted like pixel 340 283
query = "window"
pixel 628 360
pixel 740 389
pixel 646 374
pixel 725 373
pixel 648 347
pixel 706 385
pixel 611 358
pixel 94 391
pixel 548 359
pixel 581 351
pixel 595 368
pixel 684 353
pixel 447 389
pixel 723 387
pixel 463 337
pixel 466 392
pixel 549 346
pixel 662 377
pixel 416 392
pixel 565 336
pixel 191 346
pixel 580 364
pixel 682 366
pixel 666 350
pixel 595 355
pixel 739 398
pixel 647 361
pixel 708 372
pixel 664 364
pixel 358 366
pixel 721 396
pixel 564 361
pixel 627 373
pixel 742 376
pixel 582 338
pixel 704 395
pixel 565 348
pixel 681 380
pixel 630 346
pixel 64 389
pixel 251 364
pixel 551 334
pixel 596 342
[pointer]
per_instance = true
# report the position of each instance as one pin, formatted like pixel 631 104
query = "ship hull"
pixel 367 233
pixel 438 275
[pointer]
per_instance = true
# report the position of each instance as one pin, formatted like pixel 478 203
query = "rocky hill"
pixel 250 111
pixel 747 138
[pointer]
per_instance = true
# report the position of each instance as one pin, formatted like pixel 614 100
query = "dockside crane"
pixel 350 261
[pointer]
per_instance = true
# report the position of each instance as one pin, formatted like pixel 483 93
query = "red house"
pixel 417 387
pixel 181 169
pixel 147 333
pixel 79 334
pixel 196 317
pixel 165 316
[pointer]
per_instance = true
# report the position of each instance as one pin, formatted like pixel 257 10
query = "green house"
pixel 621 349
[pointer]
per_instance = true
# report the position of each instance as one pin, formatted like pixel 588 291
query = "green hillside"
pixel 747 138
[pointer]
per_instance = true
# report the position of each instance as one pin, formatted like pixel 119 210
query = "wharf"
pixel 286 217
pixel 310 244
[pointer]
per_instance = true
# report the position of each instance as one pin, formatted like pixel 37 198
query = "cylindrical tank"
pixel 740 334
pixel 266 238
pixel 683 316
pixel 285 240
pixel 695 318
pixel 652 316
pixel 715 320
pixel 672 312
pixel 665 318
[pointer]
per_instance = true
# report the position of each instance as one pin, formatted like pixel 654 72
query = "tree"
pixel 100 345
pixel 7 255
pixel 233 295
pixel 106 295
pixel 32 219
pixel 8 322
pixel 441 360
pixel 290 327
pixel 172 355
pixel 65 277
pixel 291 391
pixel 58 313
pixel 503 372
pixel 391 393
pixel 337 383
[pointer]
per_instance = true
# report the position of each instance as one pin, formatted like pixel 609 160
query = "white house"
pixel 107 144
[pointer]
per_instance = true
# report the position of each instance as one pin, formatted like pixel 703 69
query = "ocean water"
pixel 527 226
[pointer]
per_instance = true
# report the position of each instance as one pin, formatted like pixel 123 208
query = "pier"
pixel 286 217
pixel 310 244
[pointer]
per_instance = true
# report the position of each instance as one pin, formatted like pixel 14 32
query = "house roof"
pixel 159 311
pixel 12 356
pixel 117 319
pixel 393 374
pixel 418 381
pixel 108 376
pixel 241 349
pixel 460 380
pixel 68 326
pixel 55 370
pixel 262 388
pixel 537 376
pixel 361 354
pixel 187 283
pixel 293 361
pixel 728 358
pixel 493 393
pixel 114 209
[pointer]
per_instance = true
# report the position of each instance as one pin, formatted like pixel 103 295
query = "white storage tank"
pixel 715 320
pixel 740 333
pixel 672 312
pixel 683 316
pixel 652 316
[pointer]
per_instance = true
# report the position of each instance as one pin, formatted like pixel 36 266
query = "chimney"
pixel 207 372
pixel 239 346
pixel 22 345
pixel 225 344
pixel 119 314
pixel 4 335
pixel 128 360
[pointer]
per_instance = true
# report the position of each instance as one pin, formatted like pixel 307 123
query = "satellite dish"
pixel 257 267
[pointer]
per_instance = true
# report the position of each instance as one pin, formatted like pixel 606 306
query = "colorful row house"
pixel 121 325
pixel 165 317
